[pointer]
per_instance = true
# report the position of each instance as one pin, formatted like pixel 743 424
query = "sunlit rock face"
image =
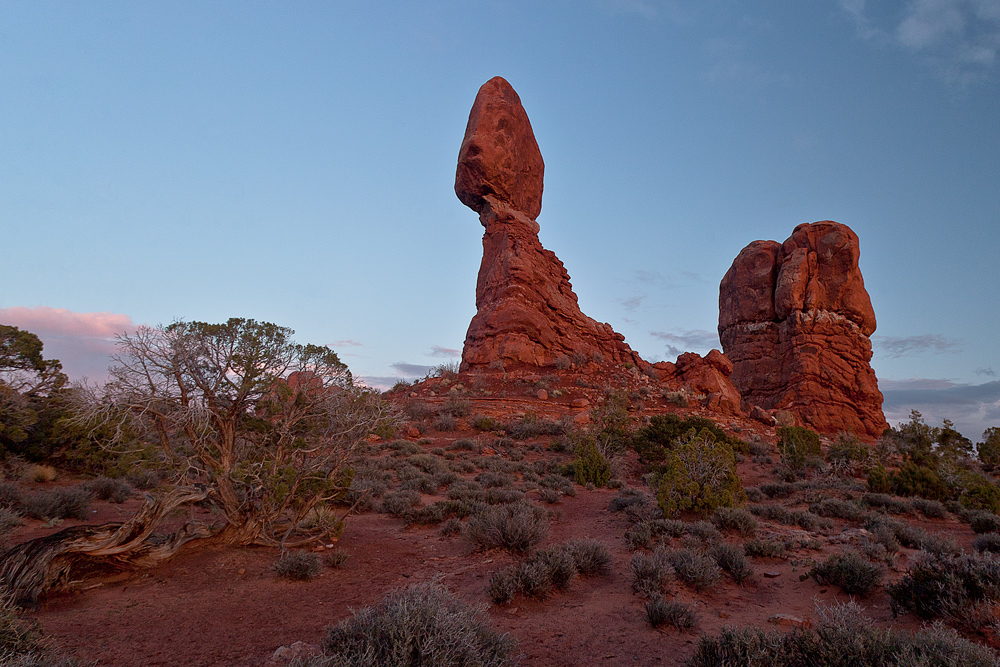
pixel 795 320
pixel 527 312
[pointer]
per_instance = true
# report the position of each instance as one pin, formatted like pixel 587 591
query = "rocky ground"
pixel 227 606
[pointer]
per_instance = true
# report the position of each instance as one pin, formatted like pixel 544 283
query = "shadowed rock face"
pixel 795 320
pixel 526 310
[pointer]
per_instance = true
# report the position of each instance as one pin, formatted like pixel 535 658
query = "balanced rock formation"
pixel 527 312
pixel 795 321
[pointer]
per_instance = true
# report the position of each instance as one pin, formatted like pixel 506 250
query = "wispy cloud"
pixel 346 343
pixel 445 352
pixel 83 342
pixel 958 39
pixel 633 302
pixel 411 370
pixel 988 372
pixel 693 340
pixel 973 407
pixel 906 346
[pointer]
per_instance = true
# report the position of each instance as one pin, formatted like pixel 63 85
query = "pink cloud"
pixel 83 342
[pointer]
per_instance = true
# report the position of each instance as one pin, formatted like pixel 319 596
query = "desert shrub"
pixel 764 548
pixel 661 612
pixel 777 489
pixel 664 432
pixel 107 488
pixel 516 526
pixel 626 498
pixel 589 465
pixel 693 568
pixel 900 531
pixel 650 572
pixel 534 578
pixel 976 491
pixel 420 483
pixel 645 533
pixel 451 527
pixel 399 503
pixel 987 542
pixel 591 557
pixel 335 558
pixel 466 444
pixel 841 509
pixel 918 480
pixel 11 496
pixel 982 521
pixel 417 410
pixel 944 586
pixel 423 626
pixel 849 572
pixel 440 511
pixel 845 637
pixel 847 448
pixel 803 519
pixel 989 449
pixel 298 565
pixel 490 480
pixel 71 502
pixel 444 423
pixel 931 509
pixel 504 585
pixel 484 423
pixel 883 501
pixel 457 407
pixel 732 558
pixel 735 519
pixel 796 444
pixel 704 532
pixel 531 426
pixel 549 496
pixel 498 496
pixel 559 563
pixel 699 474
pixel 879 480
pixel 404 447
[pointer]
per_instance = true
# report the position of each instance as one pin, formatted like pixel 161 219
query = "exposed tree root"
pixel 32 568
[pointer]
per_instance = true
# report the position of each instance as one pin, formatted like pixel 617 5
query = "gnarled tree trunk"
pixel 34 567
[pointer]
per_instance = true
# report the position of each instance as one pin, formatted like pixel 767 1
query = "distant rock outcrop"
pixel 795 321
pixel 527 312
pixel 707 376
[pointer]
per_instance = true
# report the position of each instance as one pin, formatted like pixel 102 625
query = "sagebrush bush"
pixel 841 509
pixel 650 572
pixel 298 565
pixel 662 612
pixel 764 548
pixel 591 557
pixel 644 534
pixel 504 585
pixel 845 637
pixel 988 542
pixel 947 586
pixel 516 526
pixel 335 558
pixel 931 509
pixel 626 498
pixel 847 448
pixel 699 474
pixel 71 502
pixel 423 626
pixel 883 501
pixel 732 558
pixel 982 521
pixel 111 489
pixel 693 568
pixel 736 519
pixel 850 572
pixel 400 503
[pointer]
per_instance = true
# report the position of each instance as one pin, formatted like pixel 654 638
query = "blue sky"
pixel 295 162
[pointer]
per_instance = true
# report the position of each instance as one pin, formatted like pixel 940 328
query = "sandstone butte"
pixel 795 320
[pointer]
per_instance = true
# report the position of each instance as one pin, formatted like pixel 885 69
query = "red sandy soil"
pixel 225 606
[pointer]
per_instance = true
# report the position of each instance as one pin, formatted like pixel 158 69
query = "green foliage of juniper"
pixel 796 444
pixel 654 441
pixel 699 474
pixel 589 465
